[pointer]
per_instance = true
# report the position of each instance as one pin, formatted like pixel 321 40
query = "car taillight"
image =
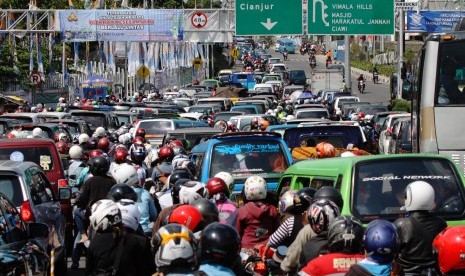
pixel 26 212
pixel 62 183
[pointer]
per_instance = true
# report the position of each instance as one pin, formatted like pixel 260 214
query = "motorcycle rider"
pixel 375 74
pixel 361 82
pixel 449 245
pixel 418 230
pixel 285 53
pixel 218 193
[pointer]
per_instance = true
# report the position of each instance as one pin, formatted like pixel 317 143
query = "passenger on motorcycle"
pixel 218 193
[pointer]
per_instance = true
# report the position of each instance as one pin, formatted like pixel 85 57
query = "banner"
pixel 121 25
pixel 433 21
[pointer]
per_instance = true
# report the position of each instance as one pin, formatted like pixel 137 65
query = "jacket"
pixel 313 248
pixel 255 222
pixel 94 189
pixel 368 268
pixel 148 212
pixel 291 261
pixel 331 264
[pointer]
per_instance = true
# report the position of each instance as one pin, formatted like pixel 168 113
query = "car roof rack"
pixel 246 133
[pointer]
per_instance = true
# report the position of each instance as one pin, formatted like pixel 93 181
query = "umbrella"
pixel 306 95
pixel 295 95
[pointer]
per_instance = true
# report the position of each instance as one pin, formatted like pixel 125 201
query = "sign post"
pixel 340 17
pixel 269 17
pixel 143 72
pixel 234 53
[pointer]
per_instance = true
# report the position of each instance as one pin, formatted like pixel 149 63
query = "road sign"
pixel 234 53
pixel 199 19
pixel 197 62
pixel 268 17
pixel 351 17
pixel 143 71
pixel 406 6
pixel 35 78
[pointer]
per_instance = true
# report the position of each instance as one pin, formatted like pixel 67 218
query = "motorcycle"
pixel 361 86
pixel 375 77
pixel 312 63
pixel 328 62
pixel 303 50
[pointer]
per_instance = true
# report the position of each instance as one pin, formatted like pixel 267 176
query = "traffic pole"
pixel 400 43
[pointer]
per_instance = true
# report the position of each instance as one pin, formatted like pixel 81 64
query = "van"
pixel 382 181
pixel 95 119
pixel 285 43
pixel 245 79
pixel 243 154
pixel 225 103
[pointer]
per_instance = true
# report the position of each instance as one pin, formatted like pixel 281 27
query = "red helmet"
pixel 325 150
pixel 140 132
pixel 450 244
pixel 62 147
pixel 361 115
pixel 188 216
pixel 165 154
pixel 216 185
pixel 94 153
pixel 176 143
pixel 138 140
pixel 10 135
pixel 121 155
pixel 103 144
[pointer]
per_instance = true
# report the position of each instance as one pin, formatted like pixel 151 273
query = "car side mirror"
pixel 64 193
pixel 37 230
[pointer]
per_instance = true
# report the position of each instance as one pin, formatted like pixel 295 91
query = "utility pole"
pixel 348 80
pixel 400 51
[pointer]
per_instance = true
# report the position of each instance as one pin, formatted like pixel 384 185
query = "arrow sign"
pixel 269 25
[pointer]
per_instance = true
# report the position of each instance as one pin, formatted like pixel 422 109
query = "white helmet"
pixel 83 138
pixel 100 132
pixel 227 178
pixel 124 138
pixel 255 188
pixel 61 99
pixel 125 174
pixel 347 154
pixel 130 213
pixel 290 117
pixel 286 201
pixel 37 132
pixel 191 191
pixel 75 152
pixel 180 161
pixel 175 244
pixel 175 88
pixel 105 215
pixel 338 112
pixel 419 196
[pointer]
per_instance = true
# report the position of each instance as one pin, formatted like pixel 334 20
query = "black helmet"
pixel 219 244
pixel 345 235
pixel 176 188
pixel 99 165
pixel 121 191
pixel 208 210
pixel 92 143
pixel 114 137
pixel 303 198
pixel 178 174
pixel 329 193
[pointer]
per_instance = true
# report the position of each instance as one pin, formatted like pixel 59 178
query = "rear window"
pixel 11 187
pixel 21 120
pixel 312 114
pixel 156 127
pixel 246 109
pixel 297 74
pixel 379 187
pixel 93 120
pixel 245 158
pixel 200 109
pixel 42 156
pixel 342 101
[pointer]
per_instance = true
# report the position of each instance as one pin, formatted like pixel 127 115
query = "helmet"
pixel 191 191
pixel 180 162
pixel 216 185
pixel 419 196
pixel 62 147
pixel 105 215
pixel 381 241
pixel 219 244
pixel 187 215
pixel 125 174
pixel 114 137
pixel 179 151
pixel 175 88
pixel 83 138
pixel 176 143
pixel 121 155
pixel 325 150
pixel 121 191
pixel 37 132
pixel 329 193
pixel 255 188
pixel 138 140
pixel 138 152
pixel 140 132
pixel 100 132
pixel 75 152
pixel 345 234
pixel 208 210
pixel 95 153
pixel 99 165
pixel 178 174
pixel 165 154
pixel 263 124
pixel 130 213
pixel 361 115
pixel 227 178
pixel 449 245
pixel 103 144
pixel 175 245
pixel 303 198
pixel 177 188
pixel 321 213
pixel 286 201
pixel 92 143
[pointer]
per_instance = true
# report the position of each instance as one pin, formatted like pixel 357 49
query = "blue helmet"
pixel 381 241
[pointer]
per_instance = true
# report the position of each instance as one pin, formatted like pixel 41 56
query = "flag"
pixel 76 55
pixel 40 64
pixel 51 42
pixel 31 53
pixel 111 57
pixel 151 57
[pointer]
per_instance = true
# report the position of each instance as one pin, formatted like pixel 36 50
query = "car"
pixel 311 113
pixel 401 140
pixel 75 127
pixel 49 130
pixel 225 116
pixel 245 109
pixel 268 87
pixel 25 117
pixel 194 135
pixel 297 77
pixel 225 103
pixel 262 105
pixel 32 194
pixel 277 67
pixel 243 122
pixel 7 124
pixel 126 117
pixel 211 83
pixel 382 179
pixel 343 99
pixel 379 118
pixel 242 154
pixel 383 141
pixel 95 119
pixel 212 108
pixel 54 115
pixel 272 61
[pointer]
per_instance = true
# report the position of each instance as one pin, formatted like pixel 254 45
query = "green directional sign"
pixel 336 17
pixel 269 17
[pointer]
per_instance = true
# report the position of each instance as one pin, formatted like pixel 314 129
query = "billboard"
pixel 433 21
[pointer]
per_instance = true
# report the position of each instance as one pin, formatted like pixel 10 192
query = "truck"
pixel 327 79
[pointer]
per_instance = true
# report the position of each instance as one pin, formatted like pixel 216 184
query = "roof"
pixel 17 167
pixel 26 142
pixel 202 130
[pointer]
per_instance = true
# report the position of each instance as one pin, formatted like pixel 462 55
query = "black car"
pixel 297 77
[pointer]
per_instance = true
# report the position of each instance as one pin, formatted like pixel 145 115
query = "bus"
pixel 438 98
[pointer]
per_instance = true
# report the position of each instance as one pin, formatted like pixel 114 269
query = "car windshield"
pixel 126 119
pixel 93 120
pixel 312 114
pixel 20 120
pixel 379 186
pixel 11 187
pixel 246 109
pixel 42 156
pixel 155 127
pixel 248 157
pixel 200 109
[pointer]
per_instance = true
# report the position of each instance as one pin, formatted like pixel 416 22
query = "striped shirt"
pixel 282 233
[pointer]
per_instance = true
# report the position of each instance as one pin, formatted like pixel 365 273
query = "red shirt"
pixel 331 264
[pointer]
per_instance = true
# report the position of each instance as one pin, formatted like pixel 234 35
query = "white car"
pixel 383 142
pixel 276 47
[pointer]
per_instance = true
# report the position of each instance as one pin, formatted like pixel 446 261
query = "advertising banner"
pixel 121 25
pixel 433 21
